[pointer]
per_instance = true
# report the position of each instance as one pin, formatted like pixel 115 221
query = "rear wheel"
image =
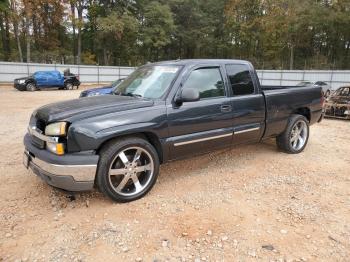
pixel 31 87
pixel 128 169
pixel 69 86
pixel 294 139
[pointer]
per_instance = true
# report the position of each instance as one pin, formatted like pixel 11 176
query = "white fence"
pixel 101 74
pixel 293 77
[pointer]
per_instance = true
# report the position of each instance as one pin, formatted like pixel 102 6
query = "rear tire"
pixel 69 86
pixel 31 87
pixel 128 169
pixel 295 137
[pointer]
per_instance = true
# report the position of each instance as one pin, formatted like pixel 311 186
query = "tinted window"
pixel 207 81
pixel 240 79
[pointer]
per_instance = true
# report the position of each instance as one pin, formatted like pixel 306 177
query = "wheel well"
pixel 304 111
pixel 149 136
pixel 31 81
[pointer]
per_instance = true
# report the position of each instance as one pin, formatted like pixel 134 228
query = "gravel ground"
pixel 249 203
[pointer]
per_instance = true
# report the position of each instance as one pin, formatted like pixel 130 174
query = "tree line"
pixel 273 34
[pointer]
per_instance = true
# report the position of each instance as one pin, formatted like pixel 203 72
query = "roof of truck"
pixel 197 61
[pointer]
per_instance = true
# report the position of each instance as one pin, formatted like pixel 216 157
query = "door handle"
pixel 226 108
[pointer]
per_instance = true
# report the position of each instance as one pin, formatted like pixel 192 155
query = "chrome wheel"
pixel 131 171
pixel 298 135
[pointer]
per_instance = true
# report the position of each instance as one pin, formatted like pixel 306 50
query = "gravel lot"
pixel 249 203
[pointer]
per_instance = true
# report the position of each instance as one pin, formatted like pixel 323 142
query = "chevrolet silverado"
pixel 163 111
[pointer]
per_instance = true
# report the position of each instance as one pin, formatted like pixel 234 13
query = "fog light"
pixel 347 112
pixel 57 148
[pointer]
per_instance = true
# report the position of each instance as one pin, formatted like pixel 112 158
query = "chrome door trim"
pixel 246 130
pixel 202 139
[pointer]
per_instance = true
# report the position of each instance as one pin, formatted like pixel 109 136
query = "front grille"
pixel 40 124
pixel 38 142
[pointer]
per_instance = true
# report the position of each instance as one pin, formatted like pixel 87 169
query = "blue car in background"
pixel 47 79
pixel 100 91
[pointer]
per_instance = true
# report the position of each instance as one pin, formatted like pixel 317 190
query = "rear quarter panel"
pixel 282 103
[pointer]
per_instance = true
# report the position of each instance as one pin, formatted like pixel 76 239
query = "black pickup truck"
pixel 163 111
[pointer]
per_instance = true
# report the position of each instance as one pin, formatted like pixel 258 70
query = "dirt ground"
pixel 249 203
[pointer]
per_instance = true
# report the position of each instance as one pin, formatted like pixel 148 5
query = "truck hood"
pixel 22 78
pixel 82 108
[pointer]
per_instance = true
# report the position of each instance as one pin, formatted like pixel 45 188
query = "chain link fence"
pixel 103 74
pixel 88 74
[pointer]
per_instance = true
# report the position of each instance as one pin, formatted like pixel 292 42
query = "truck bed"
pixel 282 101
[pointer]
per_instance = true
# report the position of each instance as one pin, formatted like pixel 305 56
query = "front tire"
pixel 128 169
pixel 294 139
pixel 31 87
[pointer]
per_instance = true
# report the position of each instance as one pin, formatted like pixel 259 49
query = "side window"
pixel 208 81
pixel 240 79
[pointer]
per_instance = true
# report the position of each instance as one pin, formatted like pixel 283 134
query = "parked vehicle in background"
pixel 47 79
pixel 326 88
pixel 305 83
pixel 338 104
pixel 163 111
pixel 105 90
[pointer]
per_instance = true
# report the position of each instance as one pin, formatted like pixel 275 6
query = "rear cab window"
pixel 240 79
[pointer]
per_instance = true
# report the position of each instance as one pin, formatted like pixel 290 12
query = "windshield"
pixel 148 81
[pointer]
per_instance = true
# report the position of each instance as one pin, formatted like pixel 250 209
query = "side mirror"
pixel 188 95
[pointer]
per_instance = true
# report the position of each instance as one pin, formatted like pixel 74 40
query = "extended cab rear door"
pixel 55 79
pixel 248 103
pixel 204 125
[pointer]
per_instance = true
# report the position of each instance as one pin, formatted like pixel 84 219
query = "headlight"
pixel 22 81
pixel 56 129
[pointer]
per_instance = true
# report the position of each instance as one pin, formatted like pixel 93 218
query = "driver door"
pixel 204 125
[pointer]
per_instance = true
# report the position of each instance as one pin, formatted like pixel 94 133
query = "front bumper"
pixel 70 172
pixel 20 87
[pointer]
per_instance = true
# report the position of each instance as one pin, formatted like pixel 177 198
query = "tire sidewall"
pixel 69 86
pixel 293 121
pixel 31 87
pixel 109 155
